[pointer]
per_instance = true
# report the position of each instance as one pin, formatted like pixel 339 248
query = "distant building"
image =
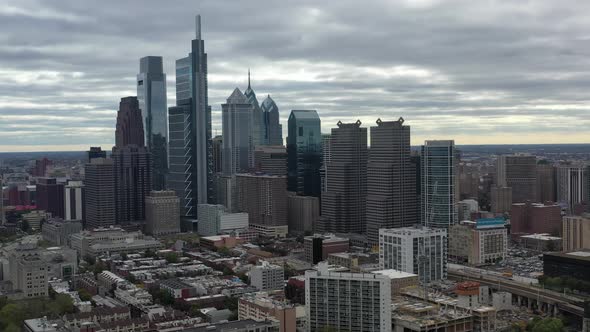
pixel 439 197
pixel 319 247
pixel 238 136
pixel 574 264
pixel 267 276
pixel 35 218
pixel 546 183
pixel 303 213
pixel 274 129
pixel 304 153
pixel 217 150
pixel 264 198
pixel 214 220
pixel 215 242
pixel 248 325
pixel 111 240
pixel 58 231
pixel 571 185
pixel 576 232
pixel 74 201
pixel 483 241
pixel 399 280
pixel 518 172
pixel 527 218
pixel 541 242
pixel 466 207
pixel 100 193
pixel 226 192
pixel 419 250
pixel 271 160
pixel 95 152
pixel 50 196
pixel 28 271
pixel 501 199
pixel 162 211
pixel 332 301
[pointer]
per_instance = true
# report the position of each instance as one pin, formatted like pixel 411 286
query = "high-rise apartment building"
pixel 304 153
pixel 191 160
pixel 571 185
pixel 74 201
pixel 520 173
pixel 344 203
pixel 546 183
pixel 501 199
pixel 576 232
pixel 50 196
pixel 151 94
pixel 352 302
pixel 419 250
pixel 215 219
pixel 274 129
pixel 238 135
pixel 266 277
pixel 162 213
pixel 438 171
pixel 100 193
pixel 271 160
pixel 391 187
pixel 264 198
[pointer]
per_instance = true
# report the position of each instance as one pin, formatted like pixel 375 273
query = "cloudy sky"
pixel 480 72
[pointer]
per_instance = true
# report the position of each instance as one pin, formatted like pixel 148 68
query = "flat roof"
pixel 395 274
pixel 543 236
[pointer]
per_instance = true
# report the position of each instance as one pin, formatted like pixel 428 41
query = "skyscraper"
pixel 132 164
pixel 571 185
pixel 238 146
pixel 100 193
pixel 304 153
pixel 151 94
pixel 191 162
pixel 520 173
pixel 391 188
pixel 439 206
pixel 344 203
pixel 274 129
pixel 96 152
pixel 50 196
pixel 546 188
pixel 271 159
pixel 258 124
pixel 74 201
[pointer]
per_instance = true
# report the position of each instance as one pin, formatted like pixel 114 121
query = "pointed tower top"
pixel 249 78
pixel 198 26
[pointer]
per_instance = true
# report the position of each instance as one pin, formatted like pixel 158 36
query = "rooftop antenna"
pixel 198 26
pixel 249 78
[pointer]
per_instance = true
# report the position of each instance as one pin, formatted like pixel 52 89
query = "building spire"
pixel 249 78
pixel 198 26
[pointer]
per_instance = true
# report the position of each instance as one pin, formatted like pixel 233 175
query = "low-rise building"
pixel 262 306
pixel 413 315
pixel 58 231
pixel 483 241
pixel 111 240
pixel 215 220
pixel 319 247
pixel 399 280
pixel 267 276
pixel 219 241
pixel 575 264
pixel 247 325
pixel 576 232
pixel 178 289
pixel 541 242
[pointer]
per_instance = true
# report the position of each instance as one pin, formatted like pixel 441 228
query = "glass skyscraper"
pixel 439 206
pixel 151 94
pixel 304 153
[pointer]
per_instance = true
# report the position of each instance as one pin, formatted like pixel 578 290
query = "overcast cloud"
pixel 481 72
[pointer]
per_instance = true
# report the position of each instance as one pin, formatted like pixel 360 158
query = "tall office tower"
pixel 151 94
pixel 271 159
pixel 238 135
pixel 74 201
pixel 344 204
pixel 417 165
pixel 576 232
pixel 217 152
pixel 571 185
pixel 304 153
pixel 96 152
pixel 2 215
pixel 190 144
pixel 264 197
pixel 546 180
pixel 352 302
pixel 391 190
pixel 50 196
pixel 419 250
pixel 257 122
pixel 274 129
pixel 439 205
pixel 520 173
pixel 162 213
pixel 326 158
pixel 100 193
pixel 501 199
pixel 132 164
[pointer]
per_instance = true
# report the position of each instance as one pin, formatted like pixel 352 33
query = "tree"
pixel 171 257
pixel 99 267
pixel 546 325
pixel 12 314
pixel 230 303
pixel 12 328
pixel 149 253
pixel 63 304
pixel 84 294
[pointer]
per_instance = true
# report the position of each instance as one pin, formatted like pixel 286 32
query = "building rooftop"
pixel 395 274
pixel 542 236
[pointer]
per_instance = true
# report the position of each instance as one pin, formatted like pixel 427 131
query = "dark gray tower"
pixel 274 129
pixel 391 179
pixel 99 182
pixel 151 94
pixel 344 203
pixel 304 153
pixel 258 123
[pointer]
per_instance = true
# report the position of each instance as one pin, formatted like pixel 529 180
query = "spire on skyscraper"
pixel 248 78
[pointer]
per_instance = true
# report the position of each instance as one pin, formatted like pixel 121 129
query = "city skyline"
pixel 500 88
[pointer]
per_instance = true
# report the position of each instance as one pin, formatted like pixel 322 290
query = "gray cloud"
pixel 481 72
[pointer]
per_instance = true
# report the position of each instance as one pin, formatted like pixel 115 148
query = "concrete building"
pixel 271 160
pixel 479 242
pixel 151 95
pixel 546 183
pixel 58 231
pixel 304 153
pixel 399 280
pixel 527 218
pixel 303 213
pixel 111 240
pixel 518 172
pixel 576 232
pixel 319 247
pixel 100 193
pixel 215 242
pixel 238 136
pixel 261 306
pixel 571 185
pixel 391 187
pixel 264 198
pixel 226 192
pixel 466 207
pixel 574 264
pixel 501 199
pixel 162 212
pixel 418 250
pixel 50 196
pixel 541 242
pixel 266 277
pixel 215 220
pixel 414 315
pixel 439 197
pixel 347 301
pixel 74 201
pixel 344 203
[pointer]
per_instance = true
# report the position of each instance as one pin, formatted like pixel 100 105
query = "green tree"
pixel 64 304
pixel 171 257
pixel 546 325
pixel 12 328
pixel 12 314
pixel 99 267
pixel 84 294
